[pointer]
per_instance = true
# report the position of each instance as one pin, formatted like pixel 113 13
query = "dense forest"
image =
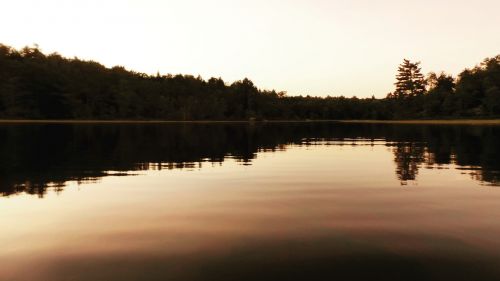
pixel 34 85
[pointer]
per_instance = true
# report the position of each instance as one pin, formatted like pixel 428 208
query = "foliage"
pixel 38 86
pixel 410 81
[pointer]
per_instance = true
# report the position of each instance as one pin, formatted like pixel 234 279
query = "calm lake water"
pixel 298 201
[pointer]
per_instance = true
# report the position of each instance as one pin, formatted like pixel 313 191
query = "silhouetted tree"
pixel 478 89
pixel 439 99
pixel 410 81
pixel 38 86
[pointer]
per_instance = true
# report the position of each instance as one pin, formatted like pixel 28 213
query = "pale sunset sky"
pixel 308 47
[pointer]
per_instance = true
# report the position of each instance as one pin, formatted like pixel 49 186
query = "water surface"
pixel 297 201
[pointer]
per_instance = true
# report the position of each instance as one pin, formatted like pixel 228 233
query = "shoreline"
pixel 428 122
pixel 414 122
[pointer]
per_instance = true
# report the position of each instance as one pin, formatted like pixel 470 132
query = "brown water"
pixel 312 201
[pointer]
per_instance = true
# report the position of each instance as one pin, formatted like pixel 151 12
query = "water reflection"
pixel 311 201
pixel 35 158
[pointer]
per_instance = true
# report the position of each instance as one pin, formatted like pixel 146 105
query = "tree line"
pixel 34 85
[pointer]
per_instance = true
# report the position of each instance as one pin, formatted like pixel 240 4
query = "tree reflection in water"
pixel 35 158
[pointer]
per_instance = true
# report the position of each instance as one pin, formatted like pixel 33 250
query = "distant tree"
pixel 478 89
pixel 440 95
pixel 34 85
pixel 410 82
pixel 408 98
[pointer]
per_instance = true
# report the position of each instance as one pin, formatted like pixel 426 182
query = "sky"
pixel 304 47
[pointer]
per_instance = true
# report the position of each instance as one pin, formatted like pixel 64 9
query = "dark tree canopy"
pixel 410 82
pixel 34 85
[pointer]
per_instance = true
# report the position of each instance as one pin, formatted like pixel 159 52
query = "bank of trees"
pixel 34 85
pixel 475 93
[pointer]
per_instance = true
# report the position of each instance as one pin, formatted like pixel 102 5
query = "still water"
pixel 296 201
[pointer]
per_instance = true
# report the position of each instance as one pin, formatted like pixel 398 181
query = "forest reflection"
pixel 36 158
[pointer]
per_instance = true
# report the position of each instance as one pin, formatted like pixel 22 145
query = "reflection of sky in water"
pixel 310 212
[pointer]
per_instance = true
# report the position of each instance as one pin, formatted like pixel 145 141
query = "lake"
pixel 265 201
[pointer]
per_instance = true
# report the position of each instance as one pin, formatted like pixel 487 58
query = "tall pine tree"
pixel 410 82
